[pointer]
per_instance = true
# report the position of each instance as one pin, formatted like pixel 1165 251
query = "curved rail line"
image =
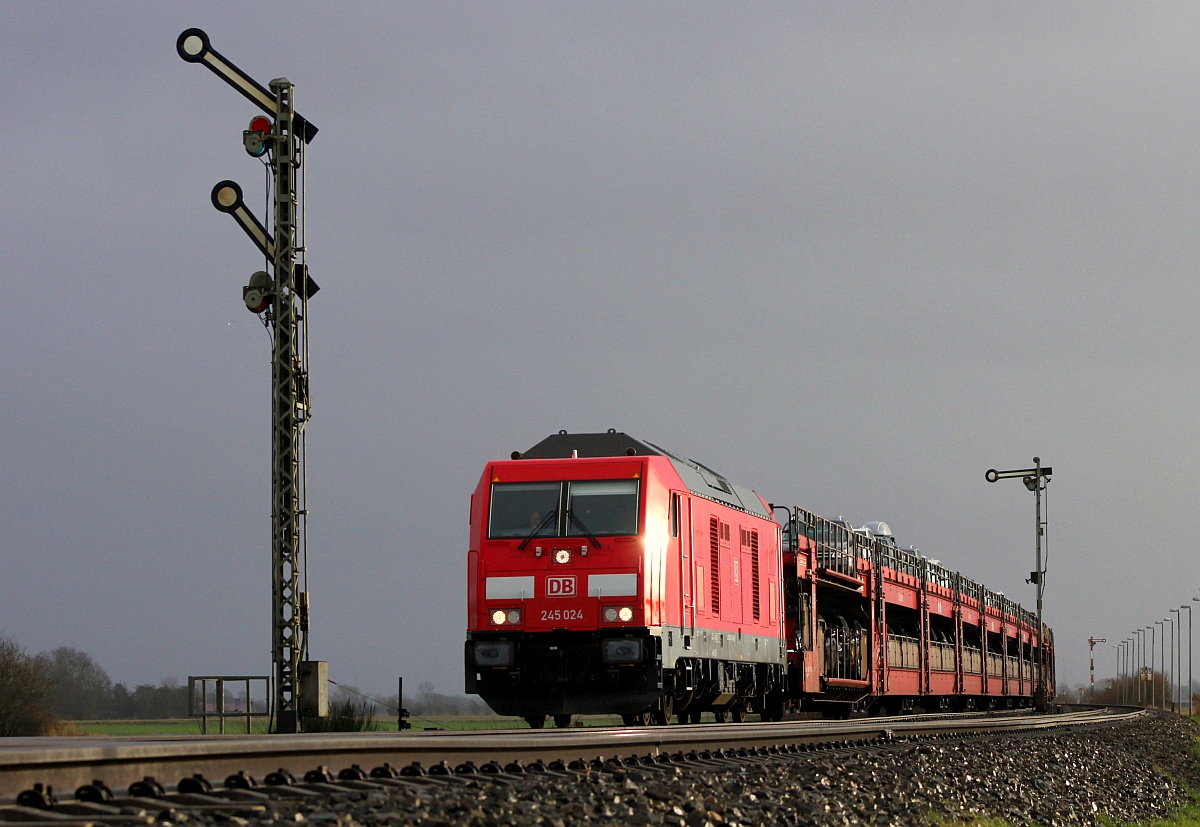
pixel 68 763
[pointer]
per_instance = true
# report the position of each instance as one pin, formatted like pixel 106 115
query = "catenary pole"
pixel 1176 663
pixel 1188 606
pixel 1139 659
pixel 1153 693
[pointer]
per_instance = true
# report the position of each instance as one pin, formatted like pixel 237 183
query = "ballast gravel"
pixel 1134 771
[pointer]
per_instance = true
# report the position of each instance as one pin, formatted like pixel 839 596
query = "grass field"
pixel 235 726
pixel 162 726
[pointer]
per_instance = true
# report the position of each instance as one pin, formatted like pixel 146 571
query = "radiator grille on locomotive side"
pixel 714 564
pixel 754 581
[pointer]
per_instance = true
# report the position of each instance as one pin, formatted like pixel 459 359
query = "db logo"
pixel 560 586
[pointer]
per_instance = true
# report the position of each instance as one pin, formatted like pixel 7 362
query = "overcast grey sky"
pixel 849 254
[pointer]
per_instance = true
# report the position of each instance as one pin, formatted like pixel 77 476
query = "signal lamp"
pixel 254 139
pixel 562 556
pixel 257 294
pixel 255 301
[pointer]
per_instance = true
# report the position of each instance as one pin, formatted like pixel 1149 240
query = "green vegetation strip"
pixel 237 726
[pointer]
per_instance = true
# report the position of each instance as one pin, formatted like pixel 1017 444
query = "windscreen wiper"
pixel 539 528
pixel 586 531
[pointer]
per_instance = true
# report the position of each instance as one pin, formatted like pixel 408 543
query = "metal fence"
pixel 208 697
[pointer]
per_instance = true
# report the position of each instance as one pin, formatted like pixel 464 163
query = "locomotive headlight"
pixel 617 614
pixel 506 617
pixel 562 556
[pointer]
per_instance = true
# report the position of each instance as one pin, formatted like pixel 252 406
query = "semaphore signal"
pixel 280 297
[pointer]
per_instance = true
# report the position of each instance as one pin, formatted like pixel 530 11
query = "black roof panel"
pixel 612 444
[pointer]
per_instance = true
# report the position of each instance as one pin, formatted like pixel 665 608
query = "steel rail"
pixel 67 763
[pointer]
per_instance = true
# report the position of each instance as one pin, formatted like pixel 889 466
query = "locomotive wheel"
pixel 562 721
pixel 638 718
pixel 721 716
pixel 737 713
pixel 535 721
pixel 665 709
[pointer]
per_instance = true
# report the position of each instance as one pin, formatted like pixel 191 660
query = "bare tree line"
pixel 39 692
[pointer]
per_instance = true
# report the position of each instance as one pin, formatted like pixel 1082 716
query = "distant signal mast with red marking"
pixel 1092 641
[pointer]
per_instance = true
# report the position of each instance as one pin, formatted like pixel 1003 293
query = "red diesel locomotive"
pixel 607 575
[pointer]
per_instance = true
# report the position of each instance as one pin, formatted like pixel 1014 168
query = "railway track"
pixel 239 773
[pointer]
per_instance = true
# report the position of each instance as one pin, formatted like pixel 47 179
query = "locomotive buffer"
pixel 281 297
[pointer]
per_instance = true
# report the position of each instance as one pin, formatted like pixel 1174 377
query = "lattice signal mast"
pixel 280 298
pixel 1092 641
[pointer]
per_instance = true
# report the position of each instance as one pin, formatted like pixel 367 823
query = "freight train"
pixel 607 575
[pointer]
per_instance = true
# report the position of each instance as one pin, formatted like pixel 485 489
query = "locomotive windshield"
pixel 602 507
pixel 582 508
pixel 520 507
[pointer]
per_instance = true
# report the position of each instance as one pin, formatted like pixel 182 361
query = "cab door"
pixel 681 532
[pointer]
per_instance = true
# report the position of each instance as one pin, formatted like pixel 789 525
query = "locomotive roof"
pixel 699 479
